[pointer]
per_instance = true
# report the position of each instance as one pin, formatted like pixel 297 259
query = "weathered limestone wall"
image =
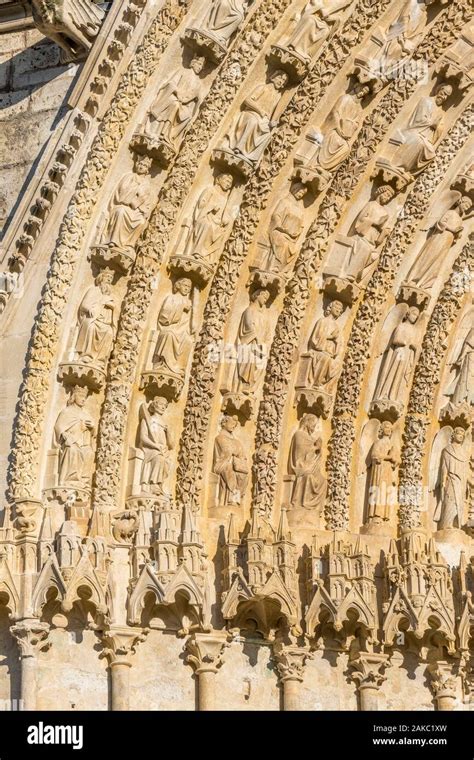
pixel 33 88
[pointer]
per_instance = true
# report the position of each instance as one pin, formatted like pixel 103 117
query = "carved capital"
pixel 368 670
pixel 443 683
pixel 205 651
pixel 121 642
pixel 290 661
pixel 31 637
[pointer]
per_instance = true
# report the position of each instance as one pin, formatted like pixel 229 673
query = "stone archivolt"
pixel 245 419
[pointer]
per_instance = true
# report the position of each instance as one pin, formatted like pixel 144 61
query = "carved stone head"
pixel 279 79
pixel 412 314
pixel 384 194
pixel 158 405
pixel 458 435
pixel 183 285
pixel 442 93
pixel 197 63
pixel 78 395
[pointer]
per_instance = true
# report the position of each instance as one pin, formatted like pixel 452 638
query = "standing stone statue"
pixel 420 136
pixel 324 346
pixel 384 458
pixel 304 462
pixel 252 131
pixel 74 434
pixel 313 26
pixel 72 24
pixel 230 464
pixel 224 18
pixel 96 321
pixel 175 329
pixel 176 104
pixel 156 442
pixel 463 391
pixel 129 206
pixel 452 483
pixel 399 361
pixel 250 344
pixel 440 239
pixel 367 233
pixel 211 218
pixel 285 228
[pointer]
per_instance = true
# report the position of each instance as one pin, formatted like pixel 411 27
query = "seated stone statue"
pixel 304 462
pixel 129 206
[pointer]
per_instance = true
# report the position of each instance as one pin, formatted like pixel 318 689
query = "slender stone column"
pixel 31 636
pixel 205 655
pixel 290 661
pixel 443 684
pixel 119 645
pixel 368 672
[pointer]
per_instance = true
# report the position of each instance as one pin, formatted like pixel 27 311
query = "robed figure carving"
pixel 230 464
pixel 96 321
pixel 176 104
pixel 224 18
pixel 367 233
pixel 324 347
pixel 175 326
pixel 452 482
pixel 399 360
pixel 304 463
pixel 420 137
pixel 74 433
pixel 343 122
pixel 384 458
pixel 463 386
pixel 440 239
pixel 259 115
pixel 129 206
pixel 404 34
pixel 250 344
pixel 313 25
pixel 285 228
pixel 155 441
pixel 212 216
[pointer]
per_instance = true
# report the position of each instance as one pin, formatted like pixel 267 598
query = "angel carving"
pixel 405 326
pixel 379 458
pixel 448 476
pixel 72 24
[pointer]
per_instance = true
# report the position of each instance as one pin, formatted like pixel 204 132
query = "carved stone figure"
pixel 224 18
pixel 175 327
pixel 404 34
pixel 313 25
pixel 384 458
pixel 440 239
pixel 419 138
pixel 284 230
pixel 304 462
pixel 463 391
pixel 344 120
pixel 74 434
pixel 230 463
pixel 250 344
pixel 156 442
pixel 323 151
pixel 96 321
pixel 452 482
pixel 72 24
pixel 129 206
pixel 211 218
pixel 259 115
pixel 175 105
pixel 399 361
pixel 367 233
pixel 324 346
